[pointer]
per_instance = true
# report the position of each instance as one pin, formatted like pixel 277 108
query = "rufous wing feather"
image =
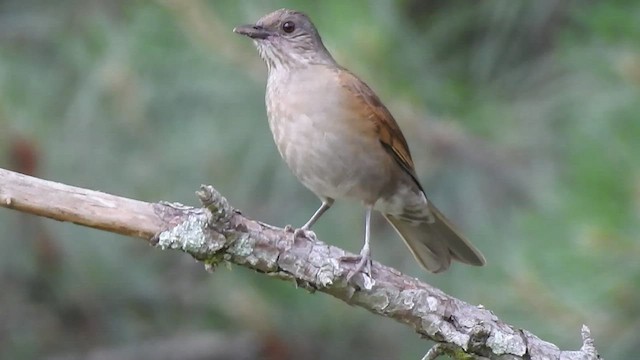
pixel 386 127
pixel 434 242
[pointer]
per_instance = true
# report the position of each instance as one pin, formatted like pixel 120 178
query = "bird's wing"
pixel 385 125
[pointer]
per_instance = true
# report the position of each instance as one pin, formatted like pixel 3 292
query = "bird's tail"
pixel 435 243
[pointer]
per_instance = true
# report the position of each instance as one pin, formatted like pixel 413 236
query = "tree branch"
pixel 219 233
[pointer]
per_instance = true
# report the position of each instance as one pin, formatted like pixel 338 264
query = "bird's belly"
pixel 330 160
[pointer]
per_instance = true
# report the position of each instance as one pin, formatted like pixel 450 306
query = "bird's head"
pixel 287 39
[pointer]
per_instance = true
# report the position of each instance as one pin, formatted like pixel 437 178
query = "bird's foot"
pixel 301 233
pixel 363 264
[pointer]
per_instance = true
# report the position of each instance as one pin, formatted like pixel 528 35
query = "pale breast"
pixel 318 140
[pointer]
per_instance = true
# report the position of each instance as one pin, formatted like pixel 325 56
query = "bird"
pixel 342 143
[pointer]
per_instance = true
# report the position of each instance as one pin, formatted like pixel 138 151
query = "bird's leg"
pixel 364 259
pixel 326 204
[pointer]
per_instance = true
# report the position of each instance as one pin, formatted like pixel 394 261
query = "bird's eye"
pixel 288 27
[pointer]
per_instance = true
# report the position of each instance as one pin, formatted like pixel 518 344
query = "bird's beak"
pixel 252 31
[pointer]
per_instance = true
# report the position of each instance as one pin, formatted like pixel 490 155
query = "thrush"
pixel 341 142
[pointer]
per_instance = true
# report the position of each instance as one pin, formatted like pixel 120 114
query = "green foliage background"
pixel 523 117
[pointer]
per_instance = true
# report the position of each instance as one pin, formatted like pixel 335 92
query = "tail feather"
pixel 461 248
pixel 434 244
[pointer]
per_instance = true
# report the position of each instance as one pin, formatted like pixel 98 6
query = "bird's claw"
pixel 363 265
pixel 304 234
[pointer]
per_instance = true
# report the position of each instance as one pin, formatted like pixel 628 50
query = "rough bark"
pixel 218 233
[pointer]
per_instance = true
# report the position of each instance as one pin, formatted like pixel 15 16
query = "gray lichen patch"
pixel 188 236
pixel 505 342
pixel 243 245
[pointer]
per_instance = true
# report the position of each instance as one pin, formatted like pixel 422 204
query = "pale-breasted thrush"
pixel 341 142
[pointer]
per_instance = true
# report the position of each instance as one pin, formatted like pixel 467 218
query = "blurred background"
pixel 523 119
